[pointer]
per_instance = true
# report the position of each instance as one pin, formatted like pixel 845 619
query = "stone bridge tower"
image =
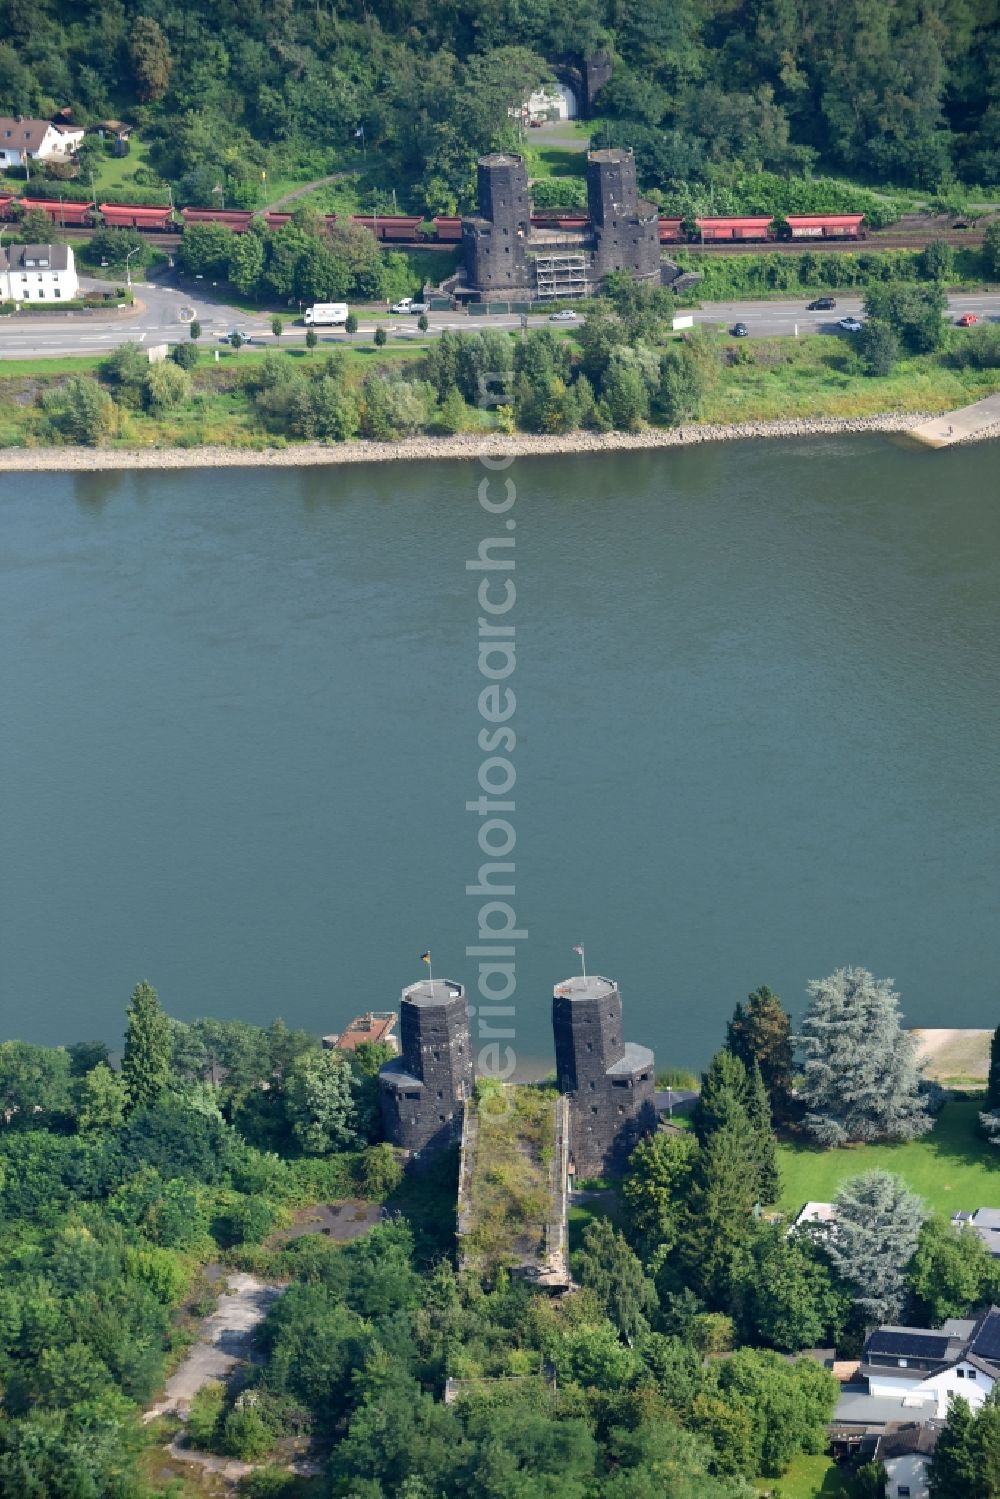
pixel 422 1091
pixel 626 227
pixel 610 1082
pixel 496 240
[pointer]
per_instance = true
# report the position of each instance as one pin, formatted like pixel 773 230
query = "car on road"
pixel 967 320
pixel 407 304
pixel 566 316
pixel 740 330
pixel 849 324
pixel 822 304
pixel 227 338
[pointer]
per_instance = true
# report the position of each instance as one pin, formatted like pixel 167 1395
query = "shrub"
pixel 248 1221
pixel 80 411
pixel 166 385
pixel 245 1434
pixel 186 355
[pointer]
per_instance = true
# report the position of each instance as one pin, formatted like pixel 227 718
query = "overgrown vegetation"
pixel 511 1191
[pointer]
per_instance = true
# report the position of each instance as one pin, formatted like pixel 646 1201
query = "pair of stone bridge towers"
pixel 610 1082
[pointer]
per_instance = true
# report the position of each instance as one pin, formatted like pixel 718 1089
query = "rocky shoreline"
pixel 464 446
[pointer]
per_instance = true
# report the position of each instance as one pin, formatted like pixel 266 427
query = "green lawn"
pixel 111 173
pixel 808 1478
pixel 951 1168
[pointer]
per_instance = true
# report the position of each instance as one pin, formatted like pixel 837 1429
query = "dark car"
pixel 822 304
pixel 739 330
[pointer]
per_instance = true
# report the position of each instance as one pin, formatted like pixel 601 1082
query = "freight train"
pixel 411 229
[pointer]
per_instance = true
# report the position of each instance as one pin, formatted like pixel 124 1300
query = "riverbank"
pixel 464 446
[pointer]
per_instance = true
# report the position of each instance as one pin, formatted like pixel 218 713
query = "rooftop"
pixel 593 986
pixel 376 1025
pixel 610 154
pixel 501 159
pixel 396 1075
pixel 433 992
pixel 35 257
pixel 633 1059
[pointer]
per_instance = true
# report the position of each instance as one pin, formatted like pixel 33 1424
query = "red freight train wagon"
pixel 135 216
pixel 825 226
pixel 448 229
pixel 400 228
pixel 238 219
pixel 670 231
pixel 733 228
pixel 62 213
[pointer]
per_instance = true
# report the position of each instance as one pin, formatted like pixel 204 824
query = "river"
pixel 757 720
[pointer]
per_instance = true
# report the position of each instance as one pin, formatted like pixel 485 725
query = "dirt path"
pixel 225 1341
pixel 303 191
pixel 951 1054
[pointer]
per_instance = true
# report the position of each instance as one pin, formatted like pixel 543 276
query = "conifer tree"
pixel 993 1080
pixel 148 1044
pixel 724 1087
pixel 759 1112
pixel 720 1208
pixel 952 1473
pixel 860 1078
pixel 760 1031
pixel 877 1231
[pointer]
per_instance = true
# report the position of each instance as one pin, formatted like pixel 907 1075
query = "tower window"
pixel 590 1045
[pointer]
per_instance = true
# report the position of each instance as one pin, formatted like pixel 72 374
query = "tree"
pixel 654 1189
pixel 150 59
pixel 246 262
pixel 878 348
pixel 351 325
pixel 423 323
pixel 166 385
pixel 146 1057
pixel 80 411
pixel 993 1080
pixel 277 326
pixel 991 249
pixel 953 1472
pixel 380 337
pixel 860 1078
pixel 952 1271
pixel 760 1031
pixel 186 355
pixel 454 412
pixel 936 260
pixel 914 313
pixel 724 1088
pixel 319 1102
pixel 236 340
pixel 610 1269
pixel 878 1223
pixel 759 1113
pixel 682 387
pixel 719 1219
pixel 790 1299
pixel 101 1104
pixel 311 339
pixel 194 329
pixel 34 1084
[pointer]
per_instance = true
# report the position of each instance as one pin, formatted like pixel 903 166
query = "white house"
pixel 37 140
pixel 915 1366
pixel 986 1223
pixel 905 1452
pixel 38 273
pixel 557 102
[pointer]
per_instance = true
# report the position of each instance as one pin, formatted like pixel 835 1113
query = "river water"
pixel 757 719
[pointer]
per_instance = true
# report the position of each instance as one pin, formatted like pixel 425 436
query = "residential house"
pixel 911 1373
pixel 37 140
pixel 38 273
pixel 905 1452
pixel 986 1222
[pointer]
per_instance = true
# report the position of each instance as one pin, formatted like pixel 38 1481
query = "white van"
pixel 326 315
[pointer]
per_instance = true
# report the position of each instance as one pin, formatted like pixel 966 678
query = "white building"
pixel 38 273
pixel 920 1366
pixel 35 140
pixel 557 102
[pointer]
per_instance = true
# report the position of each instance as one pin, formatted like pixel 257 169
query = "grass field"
pixel 951 1168
pixel 112 173
pixel 808 1478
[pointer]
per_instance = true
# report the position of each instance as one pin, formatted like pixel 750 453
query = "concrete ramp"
pixel 957 426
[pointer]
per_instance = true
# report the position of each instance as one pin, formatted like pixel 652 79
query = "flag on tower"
pixel 425 957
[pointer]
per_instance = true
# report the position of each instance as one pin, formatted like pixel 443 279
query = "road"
pixel 167 310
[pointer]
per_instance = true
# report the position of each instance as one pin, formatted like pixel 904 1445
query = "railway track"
pixel 968 240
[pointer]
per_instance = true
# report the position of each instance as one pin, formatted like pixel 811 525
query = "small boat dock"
pixel 957 426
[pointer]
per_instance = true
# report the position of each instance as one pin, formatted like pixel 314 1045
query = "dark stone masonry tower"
pixel 626 227
pixel 496 241
pixel 610 1082
pixel 423 1089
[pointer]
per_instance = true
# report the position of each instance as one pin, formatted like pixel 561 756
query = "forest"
pixel 672 1371
pixel 232 97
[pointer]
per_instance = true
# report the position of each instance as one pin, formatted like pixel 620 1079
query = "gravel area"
pixel 466 445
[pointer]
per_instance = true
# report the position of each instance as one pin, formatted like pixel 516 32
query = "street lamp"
pixel 128 273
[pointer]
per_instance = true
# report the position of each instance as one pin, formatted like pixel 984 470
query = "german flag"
pixel 425 957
